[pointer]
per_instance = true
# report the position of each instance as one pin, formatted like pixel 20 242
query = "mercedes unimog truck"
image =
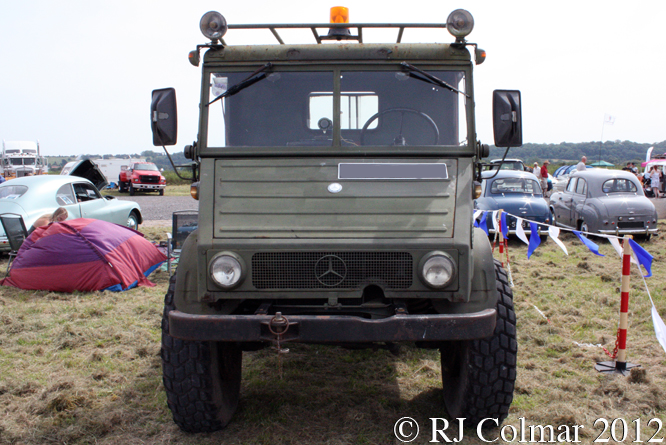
pixel 335 181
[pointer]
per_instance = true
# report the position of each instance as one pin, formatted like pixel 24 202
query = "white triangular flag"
pixel 520 233
pixel 615 242
pixel 495 226
pixel 554 233
pixel 659 327
pixel 477 214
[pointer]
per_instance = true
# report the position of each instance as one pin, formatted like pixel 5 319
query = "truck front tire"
pixel 131 190
pixel 479 376
pixel 202 379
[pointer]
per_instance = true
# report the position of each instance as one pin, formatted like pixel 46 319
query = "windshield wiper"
pixel 429 78
pixel 249 81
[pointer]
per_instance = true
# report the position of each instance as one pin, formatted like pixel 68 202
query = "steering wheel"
pixel 400 139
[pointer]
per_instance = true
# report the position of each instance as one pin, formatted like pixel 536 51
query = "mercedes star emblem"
pixel 330 270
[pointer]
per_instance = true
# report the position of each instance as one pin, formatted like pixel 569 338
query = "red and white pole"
pixel 620 366
pixel 501 238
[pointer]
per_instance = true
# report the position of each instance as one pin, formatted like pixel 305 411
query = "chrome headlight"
pixel 226 270
pixel 459 24
pixel 213 26
pixel 437 270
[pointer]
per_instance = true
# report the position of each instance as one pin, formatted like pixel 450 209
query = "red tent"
pixel 86 255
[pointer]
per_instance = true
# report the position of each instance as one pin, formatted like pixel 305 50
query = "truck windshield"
pixel 377 108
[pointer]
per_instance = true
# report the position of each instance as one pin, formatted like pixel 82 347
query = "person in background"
pixel 544 178
pixel 634 169
pixel 654 181
pixel 581 165
pixel 536 170
pixel 59 215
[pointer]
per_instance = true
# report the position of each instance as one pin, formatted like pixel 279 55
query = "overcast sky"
pixel 78 75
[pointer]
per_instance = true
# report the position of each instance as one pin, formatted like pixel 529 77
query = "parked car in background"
pixel 141 176
pixel 561 176
pixel 78 192
pixel 515 192
pixel 604 201
pixel 509 164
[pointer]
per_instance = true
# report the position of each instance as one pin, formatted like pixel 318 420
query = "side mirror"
pixel 507 118
pixel 164 117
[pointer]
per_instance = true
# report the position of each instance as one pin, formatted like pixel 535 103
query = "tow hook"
pixel 278 326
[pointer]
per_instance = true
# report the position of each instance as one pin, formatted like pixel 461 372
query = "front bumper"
pixel 139 186
pixel 333 328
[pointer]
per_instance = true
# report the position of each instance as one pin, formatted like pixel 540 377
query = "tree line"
pixel 615 152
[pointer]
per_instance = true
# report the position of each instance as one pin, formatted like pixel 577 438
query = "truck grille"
pixel 150 179
pixel 630 225
pixel 327 270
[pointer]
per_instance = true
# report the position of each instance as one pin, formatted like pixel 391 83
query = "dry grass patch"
pixel 84 368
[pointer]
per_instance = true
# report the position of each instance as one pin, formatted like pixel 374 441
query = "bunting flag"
pixel 659 327
pixel 520 232
pixel 494 217
pixel 589 244
pixel 554 233
pixel 505 227
pixel 483 224
pixel 535 239
pixel 643 257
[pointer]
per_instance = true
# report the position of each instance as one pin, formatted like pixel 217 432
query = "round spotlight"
pixel 213 25
pixel 460 23
pixel 226 271
pixel 438 270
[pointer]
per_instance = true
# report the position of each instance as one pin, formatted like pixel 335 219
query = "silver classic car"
pixel 604 201
pixel 78 192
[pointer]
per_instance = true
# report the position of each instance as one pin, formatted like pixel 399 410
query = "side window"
pixel 85 192
pixel 581 187
pixel 571 186
pixel 65 196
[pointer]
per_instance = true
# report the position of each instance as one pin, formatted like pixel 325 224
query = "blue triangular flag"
pixel 505 229
pixel 643 257
pixel 589 244
pixel 483 224
pixel 535 239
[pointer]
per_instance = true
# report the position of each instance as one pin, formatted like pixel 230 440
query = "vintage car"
pixel 561 176
pixel 604 201
pixel 508 164
pixel 515 192
pixel 34 196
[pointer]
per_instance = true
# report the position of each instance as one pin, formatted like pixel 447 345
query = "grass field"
pixel 84 368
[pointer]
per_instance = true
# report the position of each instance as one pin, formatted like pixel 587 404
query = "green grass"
pixel 84 368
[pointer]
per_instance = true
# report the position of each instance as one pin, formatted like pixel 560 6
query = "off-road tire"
pixel 202 379
pixel 161 192
pixel 478 376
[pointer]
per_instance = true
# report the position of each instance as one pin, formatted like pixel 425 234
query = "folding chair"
pixel 183 223
pixel 16 233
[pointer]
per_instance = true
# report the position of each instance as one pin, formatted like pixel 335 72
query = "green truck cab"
pixel 336 182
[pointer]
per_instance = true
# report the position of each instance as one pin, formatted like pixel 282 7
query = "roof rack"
pixel 328 26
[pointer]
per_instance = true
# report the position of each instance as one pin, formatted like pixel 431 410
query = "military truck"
pixel 336 180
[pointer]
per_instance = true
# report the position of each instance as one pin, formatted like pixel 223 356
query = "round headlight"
pixel 225 271
pixel 460 23
pixel 438 271
pixel 213 25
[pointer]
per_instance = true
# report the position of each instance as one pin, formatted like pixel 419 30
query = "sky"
pixel 78 75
